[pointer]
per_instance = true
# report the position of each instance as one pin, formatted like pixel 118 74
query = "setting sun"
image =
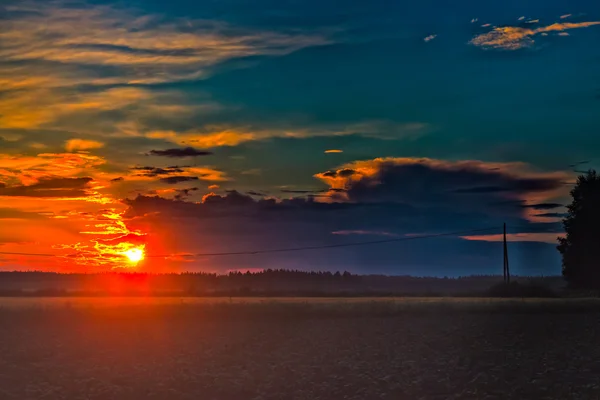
pixel 134 255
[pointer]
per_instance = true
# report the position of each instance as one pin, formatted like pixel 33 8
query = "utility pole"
pixel 506 268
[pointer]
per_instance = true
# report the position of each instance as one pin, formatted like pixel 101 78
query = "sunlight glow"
pixel 134 255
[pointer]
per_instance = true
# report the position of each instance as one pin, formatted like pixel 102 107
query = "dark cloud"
pixel 180 152
pixel 237 222
pixel 460 185
pixel 50 187
pixel 156 171
pixel 183 193
pixel 171 180
pixel 346 172
pixel 119 179
pixel 579 163
pixel 517 185
pixel 255 193
pixel 543 206
pixel 303 191
pixel 552 215
pixel 232 198
pixel 483 189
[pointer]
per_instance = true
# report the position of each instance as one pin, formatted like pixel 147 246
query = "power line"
pixel 291 249
pixel 288 249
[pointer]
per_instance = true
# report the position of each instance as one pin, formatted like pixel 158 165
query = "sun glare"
pixel 134 255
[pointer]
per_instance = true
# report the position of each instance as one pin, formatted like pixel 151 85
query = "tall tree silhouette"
pixel 580 248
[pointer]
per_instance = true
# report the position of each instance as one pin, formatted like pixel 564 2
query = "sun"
pixel 134 255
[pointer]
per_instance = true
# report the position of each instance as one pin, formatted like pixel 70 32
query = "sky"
pixel 182 130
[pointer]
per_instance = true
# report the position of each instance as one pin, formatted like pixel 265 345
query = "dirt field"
pixel 301 349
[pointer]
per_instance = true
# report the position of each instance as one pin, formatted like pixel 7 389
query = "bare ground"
pixel 153 353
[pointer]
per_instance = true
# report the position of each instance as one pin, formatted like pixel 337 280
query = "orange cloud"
pixel 27 170
pixel 514 37
pixel 209 139
pixel 221 135
pixel 333 151
pixel 82 144
pixel 39 106
pixel 46 54
pixel 545 237
pixel 168 51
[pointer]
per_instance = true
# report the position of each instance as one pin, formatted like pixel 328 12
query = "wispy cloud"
pixel 50 187
pixel 429 38
pixel 142 48
pixel 64 64
pixel 544 237
pixel 231 135
pixel 27 170
pixel 82 144
pixel 180 153
pixel 364 232
pixel 333 151
pixel 515 37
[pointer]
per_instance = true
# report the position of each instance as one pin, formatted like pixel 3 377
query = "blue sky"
pixel 420 117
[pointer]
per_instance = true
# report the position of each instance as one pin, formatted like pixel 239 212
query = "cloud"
pixel 180 153
pixel 515 37
pixel 565 16
pixel 50 187
pixel 26 170
pixel 140 48
pixel 211 137
pixel 171 180
pixel 181 194
pixel 10 137
pixel 12 213
pixel 295 191
pixel 255 193
pixel 364 232
pixel 429 38
pixel 252 171
pixel 217 135
pixel 208 174
pixel 156 171
pixel 333 151
pixel 63 107
pixel 543 237
pixel 461 184
pixel 552 215
pixel 175 174
pixel 93 68
pixel 543 206
pixel 213 187
pixel 81 144
pixel 237 222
